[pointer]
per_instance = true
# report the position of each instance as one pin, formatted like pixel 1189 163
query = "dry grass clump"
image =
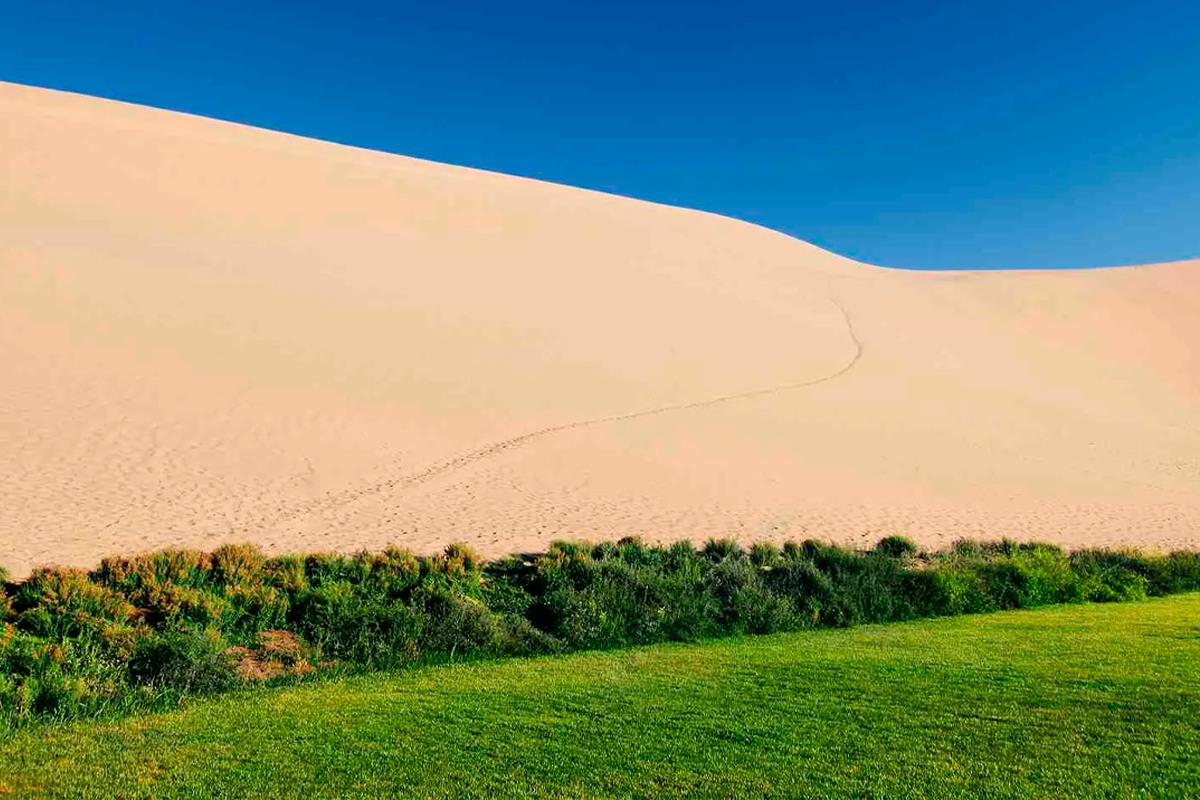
pixel 273 654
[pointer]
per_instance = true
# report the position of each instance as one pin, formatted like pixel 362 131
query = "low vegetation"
pixel 1071 702
pixel 143 632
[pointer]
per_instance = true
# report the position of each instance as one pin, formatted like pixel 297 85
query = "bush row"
pixel 145 631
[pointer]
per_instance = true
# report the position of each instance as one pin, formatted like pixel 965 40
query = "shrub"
pixel 564 566
pixel 286 573
pixel 357 627
pixel 1176 572
pixel 681 556
pixel 633 551
pixel 146 572
pixel 721 549
pixel 809 589
pixel 1030 576
pixel 896 547
pixel 878 590
pixel 743 602
pixel 455 626
pixel 254 608
pixel 237 565
pixel 172 606
pixel 1114 586
pixel 517 636
pixel 1110 576
pixel 565 552
pixel 59 603
pixel 764 554
pixel 461 559
pixel 504 589
pixel 923 593
pixel 194 662
pixel 967 549
pixel 599 604
pixel 961 590
pixel 611 602
pixel 57 680
pixel 325 568
pixel 396 570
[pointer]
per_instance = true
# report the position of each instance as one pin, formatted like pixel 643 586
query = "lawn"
pixel 1097 700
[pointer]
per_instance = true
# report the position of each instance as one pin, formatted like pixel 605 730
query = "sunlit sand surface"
pixel 212 333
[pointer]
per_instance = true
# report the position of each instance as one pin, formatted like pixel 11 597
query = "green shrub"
pixel 173 606
pixel 896 547
pixel 144 573
pixel 1109 576
pixel 809 590
pixel 1176 572
pixel 237 565
pixel 923 593
pixel 721 549
pixel 633 551
pixel 395 570
pixel 565 566
pixel 613 602
pixel 324 568
pixel 189 662
pixel 58 603
pixel 455 626
pixel 743 602
pixel 962 591
pixel 286 573
pixel 764 554
pixel 356 627
pixel 504 584
pixel 1114 586
pixel 253 608
pixel 1031 576
pixel 465 556
pixel 591 603
pixel 58 680
pixel 517 636
pixel 873 588
pixel 682 556
pixel 966 549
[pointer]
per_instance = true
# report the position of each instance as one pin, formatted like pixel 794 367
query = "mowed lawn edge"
pixel 1098 700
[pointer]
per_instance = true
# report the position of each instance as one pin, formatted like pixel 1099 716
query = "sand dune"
pixel 214 333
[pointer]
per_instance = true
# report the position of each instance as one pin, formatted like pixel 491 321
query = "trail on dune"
pixel 467 459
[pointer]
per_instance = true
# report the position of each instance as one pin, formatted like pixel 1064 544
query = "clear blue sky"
pixel 969 134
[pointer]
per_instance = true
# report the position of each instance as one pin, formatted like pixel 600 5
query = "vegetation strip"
pixel 144 632
pixel 1085 701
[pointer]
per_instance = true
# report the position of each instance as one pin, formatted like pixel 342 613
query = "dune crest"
pixel 215 333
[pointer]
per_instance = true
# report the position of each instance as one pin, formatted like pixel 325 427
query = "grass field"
pixel 1070 702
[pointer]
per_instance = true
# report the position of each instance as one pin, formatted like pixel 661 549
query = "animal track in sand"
pixel 464 460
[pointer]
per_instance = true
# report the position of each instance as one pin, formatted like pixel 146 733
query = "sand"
pixel 211 333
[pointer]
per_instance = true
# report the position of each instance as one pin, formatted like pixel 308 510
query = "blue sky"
pixel 912 134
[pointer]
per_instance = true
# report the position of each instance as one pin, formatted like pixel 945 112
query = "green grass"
pixel 1067 702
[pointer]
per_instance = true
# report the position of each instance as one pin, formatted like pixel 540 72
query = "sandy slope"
pixel 212 333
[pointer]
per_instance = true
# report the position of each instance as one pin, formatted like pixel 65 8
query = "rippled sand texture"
pixel 212 333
